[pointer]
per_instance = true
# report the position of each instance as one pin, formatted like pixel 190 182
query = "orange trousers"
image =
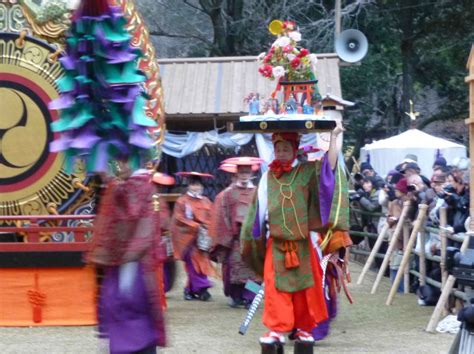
pixel 284 311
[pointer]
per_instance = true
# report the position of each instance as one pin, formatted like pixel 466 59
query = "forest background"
pixel 418 50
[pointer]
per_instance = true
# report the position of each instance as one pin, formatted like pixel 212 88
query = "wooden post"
pixel 337 12
pixel 374 251
pixel 443 222
pixel 406 274
pixel 422 258
pixel 445 293
pixel 391 247
pixel 422 208
pixel 470 122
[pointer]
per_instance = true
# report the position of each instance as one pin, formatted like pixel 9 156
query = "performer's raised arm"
pixel 333 150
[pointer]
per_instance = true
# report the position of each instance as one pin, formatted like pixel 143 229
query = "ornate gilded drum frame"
pixel 31 178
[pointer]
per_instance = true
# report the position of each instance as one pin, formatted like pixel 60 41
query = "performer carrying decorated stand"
pixel 300 206
pixel 292 200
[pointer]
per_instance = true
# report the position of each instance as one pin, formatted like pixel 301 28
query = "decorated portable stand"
pixel 295 105
pixel 298 123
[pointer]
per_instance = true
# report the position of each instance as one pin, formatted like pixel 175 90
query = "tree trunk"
pixel 214 8
pixel 408 59
pixel 235 9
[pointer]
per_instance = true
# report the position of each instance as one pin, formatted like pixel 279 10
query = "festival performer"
pixel 230 209
pixel 126 246
pixel 189 225
pixel 293 199
pixel 166 269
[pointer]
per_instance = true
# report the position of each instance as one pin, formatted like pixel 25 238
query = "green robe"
pixel 293 211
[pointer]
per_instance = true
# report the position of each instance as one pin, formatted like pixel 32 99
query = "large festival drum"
pixel 32 181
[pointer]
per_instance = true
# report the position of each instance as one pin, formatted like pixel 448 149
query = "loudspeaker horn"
pixel 351 46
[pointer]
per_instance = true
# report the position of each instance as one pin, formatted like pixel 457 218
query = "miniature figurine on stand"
pixel 253 100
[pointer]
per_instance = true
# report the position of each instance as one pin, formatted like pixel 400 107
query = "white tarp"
pixel 386 154
pixel 180 145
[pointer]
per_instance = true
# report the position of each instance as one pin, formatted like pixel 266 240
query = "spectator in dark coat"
pixel 368 171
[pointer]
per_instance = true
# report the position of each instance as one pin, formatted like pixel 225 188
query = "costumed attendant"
pixel 166 269
pixel 126 246
pixel 293 199
pixel 230 209
pixel 189 225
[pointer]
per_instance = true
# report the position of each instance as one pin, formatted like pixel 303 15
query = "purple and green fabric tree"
pixel 102 100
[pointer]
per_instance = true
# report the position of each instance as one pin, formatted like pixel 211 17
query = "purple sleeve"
pixel 326 190
pixel 256 232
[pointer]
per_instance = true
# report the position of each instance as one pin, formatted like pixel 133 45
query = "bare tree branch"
pixel 186 2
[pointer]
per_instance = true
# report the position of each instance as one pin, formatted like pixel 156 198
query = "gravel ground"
pixel 368 326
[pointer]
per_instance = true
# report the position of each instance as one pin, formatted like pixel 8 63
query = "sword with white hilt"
pixel 324 267
pixel 252 286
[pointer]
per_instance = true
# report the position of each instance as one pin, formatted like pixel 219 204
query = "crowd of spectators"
pixel 447 186
pixel 381 200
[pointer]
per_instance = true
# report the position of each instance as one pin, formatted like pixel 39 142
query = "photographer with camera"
pixel 368 199
pixel 456 196
pixel 417 190
pixel 367 170
pixel 387 194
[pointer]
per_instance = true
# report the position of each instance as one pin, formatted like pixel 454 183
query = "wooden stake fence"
pixel 443 223
pixel 422 208
pixel 374 251
pixel 446 291
pixel 391 247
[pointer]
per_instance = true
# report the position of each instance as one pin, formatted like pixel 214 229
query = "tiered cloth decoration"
pixel 102 104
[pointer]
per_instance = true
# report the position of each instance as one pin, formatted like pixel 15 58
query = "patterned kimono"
pixel 126 245
pixel 163 277
pixel 276 241
pixel 230 209
pixel 189 214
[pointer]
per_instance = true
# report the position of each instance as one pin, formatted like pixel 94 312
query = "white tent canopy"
pixel 386 154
